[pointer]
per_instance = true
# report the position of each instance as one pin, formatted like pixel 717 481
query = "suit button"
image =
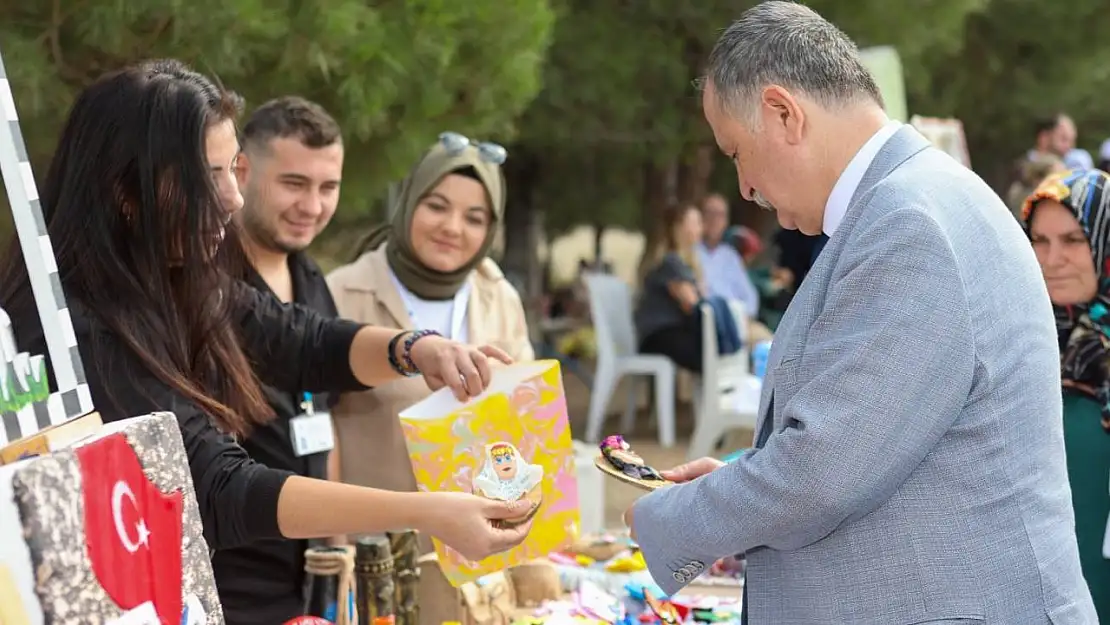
pixel 698 565
pixel 689 569
pixel 679 577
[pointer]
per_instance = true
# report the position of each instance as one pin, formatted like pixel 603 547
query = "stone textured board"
pixel 47 492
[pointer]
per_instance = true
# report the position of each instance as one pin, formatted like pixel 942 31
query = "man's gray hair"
pixel 790 45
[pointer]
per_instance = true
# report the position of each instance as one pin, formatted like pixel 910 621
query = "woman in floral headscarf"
pixel 1068 221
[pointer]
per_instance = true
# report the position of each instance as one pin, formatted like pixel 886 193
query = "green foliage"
pixel 1017 61
pixel 618 90
pixel 394 74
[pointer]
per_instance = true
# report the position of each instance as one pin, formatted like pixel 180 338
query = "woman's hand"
pixel 472 525
pixel 463 368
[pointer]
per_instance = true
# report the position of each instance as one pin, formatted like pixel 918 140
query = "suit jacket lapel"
pixel 902 145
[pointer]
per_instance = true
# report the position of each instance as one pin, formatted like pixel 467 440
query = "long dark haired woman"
pixel 667 317
pixel 138 201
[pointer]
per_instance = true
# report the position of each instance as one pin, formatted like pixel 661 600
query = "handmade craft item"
pixel 331 583
pixel 506 476
pixel 599 547
pixel 405 549
pixel 374 578
pixel 511 443
pixel 619 461
pixel 535 582
pixel 490 602
pixel 665 610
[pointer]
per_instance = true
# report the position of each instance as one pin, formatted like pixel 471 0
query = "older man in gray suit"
pixel 909 464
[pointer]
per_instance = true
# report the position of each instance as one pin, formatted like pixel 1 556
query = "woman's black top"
pixel 291 347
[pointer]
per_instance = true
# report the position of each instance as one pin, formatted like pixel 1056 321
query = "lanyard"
pixel 306 404
pixel 458 307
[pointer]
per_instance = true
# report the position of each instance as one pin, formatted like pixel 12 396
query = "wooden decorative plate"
pixel 649 485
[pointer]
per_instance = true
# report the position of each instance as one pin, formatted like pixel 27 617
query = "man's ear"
pixel 783 112
pixel 242 168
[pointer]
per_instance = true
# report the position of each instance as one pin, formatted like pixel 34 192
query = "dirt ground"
pixel 644 438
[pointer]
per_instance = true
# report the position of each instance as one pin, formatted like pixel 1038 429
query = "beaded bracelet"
pixel 392 355
pixel 406 350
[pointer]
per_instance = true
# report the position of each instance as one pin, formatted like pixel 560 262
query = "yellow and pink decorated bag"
pixel 511 442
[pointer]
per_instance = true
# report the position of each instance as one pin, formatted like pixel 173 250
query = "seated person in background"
pixel 724 270
pixel 772 283
pixel 667 321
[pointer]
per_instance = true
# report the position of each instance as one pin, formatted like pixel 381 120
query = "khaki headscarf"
pixel 423 281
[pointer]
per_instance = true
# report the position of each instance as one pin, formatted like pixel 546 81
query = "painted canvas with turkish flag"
pixel 107 531
pixel 132 528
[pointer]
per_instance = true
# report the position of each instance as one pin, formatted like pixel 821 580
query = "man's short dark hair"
pixel 1047 123
pixel 291 117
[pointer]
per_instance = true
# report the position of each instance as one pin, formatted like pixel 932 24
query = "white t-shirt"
pixel 448 316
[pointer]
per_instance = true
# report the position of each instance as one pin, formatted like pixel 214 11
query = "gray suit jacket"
pixel 914 472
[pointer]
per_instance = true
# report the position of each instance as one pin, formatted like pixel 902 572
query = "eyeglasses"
pixel 490 152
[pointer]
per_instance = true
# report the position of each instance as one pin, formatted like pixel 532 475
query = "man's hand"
pixel 692 470
pixel 681 473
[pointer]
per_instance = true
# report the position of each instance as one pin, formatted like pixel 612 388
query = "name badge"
pixel 311 433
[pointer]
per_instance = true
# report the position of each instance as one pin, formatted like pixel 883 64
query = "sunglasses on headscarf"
pixel 455 143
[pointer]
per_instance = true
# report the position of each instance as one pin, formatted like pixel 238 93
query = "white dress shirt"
pixel 846 185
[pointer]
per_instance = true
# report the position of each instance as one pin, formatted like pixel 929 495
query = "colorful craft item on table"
pixel 566 559
pixel 618 460
pixel 710 616
pixel 665 610
pixel 639 591
pixel 730 566
pixel 593 602
pixel 599 548
pixel 132 529
pixel 627 563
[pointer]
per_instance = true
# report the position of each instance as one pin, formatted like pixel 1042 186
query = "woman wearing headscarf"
pixel 427 268
pixel 1068 221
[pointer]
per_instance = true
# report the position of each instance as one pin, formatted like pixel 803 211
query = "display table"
pixel 574 587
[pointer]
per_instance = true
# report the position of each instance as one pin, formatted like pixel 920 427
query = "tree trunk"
pixel 519 251
pixel 599 232
pixel 694 174
pixel 659 190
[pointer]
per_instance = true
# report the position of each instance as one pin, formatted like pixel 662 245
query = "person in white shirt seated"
pixel 724 270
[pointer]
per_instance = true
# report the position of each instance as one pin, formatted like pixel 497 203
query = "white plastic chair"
pixel 618 355
pixel 726 394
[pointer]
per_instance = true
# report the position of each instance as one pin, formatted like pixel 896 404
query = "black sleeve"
pixel 674 268
pixel 294 348
pixel 237 496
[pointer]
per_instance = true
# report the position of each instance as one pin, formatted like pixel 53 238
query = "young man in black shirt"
pixel 289 173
